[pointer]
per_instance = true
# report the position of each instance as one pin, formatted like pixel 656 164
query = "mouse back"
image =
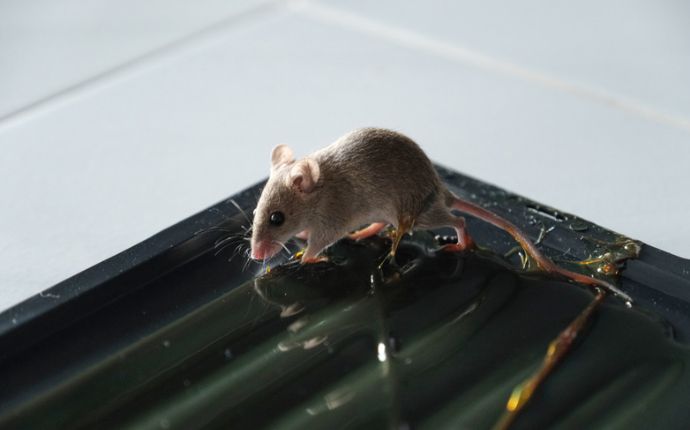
pixel 381 167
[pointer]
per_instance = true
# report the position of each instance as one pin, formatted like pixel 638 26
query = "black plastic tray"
pixel 52 342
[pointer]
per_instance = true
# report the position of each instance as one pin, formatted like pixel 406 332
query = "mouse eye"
pixel 276 218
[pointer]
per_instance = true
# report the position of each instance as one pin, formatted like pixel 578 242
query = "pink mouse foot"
pixel 464 242
pixel 458 247
pixel 319 259
pixel 453 247
pixel 368 231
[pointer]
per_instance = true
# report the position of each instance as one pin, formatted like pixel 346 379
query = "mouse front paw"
pixel 318 259
pixel 306 258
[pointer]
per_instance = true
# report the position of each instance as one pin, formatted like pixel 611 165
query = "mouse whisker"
pixel 235 251
pixel 237 240
pixel 247 259
pixel 282 245
pixel 222 248
pixel 214 229
pixel 241 248
pixel 239 208
pixel 223 241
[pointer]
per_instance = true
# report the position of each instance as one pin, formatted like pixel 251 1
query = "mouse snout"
pixel 263 249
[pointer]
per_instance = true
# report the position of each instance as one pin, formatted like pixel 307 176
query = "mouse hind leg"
pixel 439 216
pixel 464 239
pixel 404 225
pixel 368 231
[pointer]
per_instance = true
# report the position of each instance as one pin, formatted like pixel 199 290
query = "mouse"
pixel 371 177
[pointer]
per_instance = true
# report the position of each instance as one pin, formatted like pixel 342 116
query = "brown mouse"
pixel 369 176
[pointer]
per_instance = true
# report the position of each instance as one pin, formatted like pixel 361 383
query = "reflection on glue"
pixel 382 352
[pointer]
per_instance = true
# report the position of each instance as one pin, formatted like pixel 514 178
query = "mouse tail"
pixel 543 263
pixel 477 211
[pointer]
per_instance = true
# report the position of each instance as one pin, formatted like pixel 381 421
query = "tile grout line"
pixel 140 62
pixel 420 42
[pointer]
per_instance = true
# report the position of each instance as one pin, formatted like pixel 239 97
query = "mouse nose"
pixel 258 252
pixel 262 250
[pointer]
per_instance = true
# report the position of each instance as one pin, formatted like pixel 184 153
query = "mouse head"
pixel 283 208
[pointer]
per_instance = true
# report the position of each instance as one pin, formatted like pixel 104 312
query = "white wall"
pixel 118 119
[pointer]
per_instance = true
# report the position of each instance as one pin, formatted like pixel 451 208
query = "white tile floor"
pixel 118 119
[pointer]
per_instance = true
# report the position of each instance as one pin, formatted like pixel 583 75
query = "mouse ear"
pixel 304 175
pixel 281 154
